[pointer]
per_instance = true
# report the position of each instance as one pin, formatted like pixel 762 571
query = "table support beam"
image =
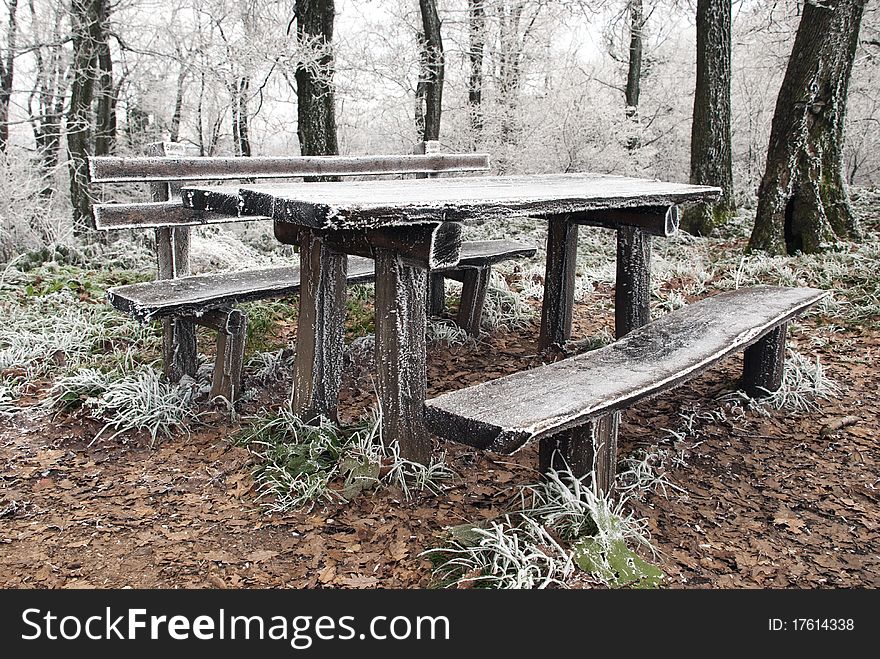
pixel 632 294
pixel 400 353
pixel 558 282
pixel 320 338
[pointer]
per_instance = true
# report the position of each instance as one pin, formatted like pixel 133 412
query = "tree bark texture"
pixel 316 111
pixel 710 132
pixel 7 73
pixel 803 203
pixel 240 126
pixel 433 69
pixel 86 19
pixel 634 69
pixel 476 48
pixel 105 112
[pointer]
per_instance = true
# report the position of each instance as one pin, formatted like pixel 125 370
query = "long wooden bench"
pixel 573 406
pixel 182 301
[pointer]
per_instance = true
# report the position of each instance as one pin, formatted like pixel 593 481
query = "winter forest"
pixel 775 102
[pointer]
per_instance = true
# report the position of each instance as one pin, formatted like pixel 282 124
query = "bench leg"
pixel 400 354
pixel 632 293
pixel 764 363
pixel 591 447
pixel 179 348
pixel 436 293
pixel 231 337
pixel 558 282
pixel 320 334
pixel 475 283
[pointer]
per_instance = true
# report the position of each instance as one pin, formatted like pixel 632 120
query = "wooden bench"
pixel 573 406
pixel 182 301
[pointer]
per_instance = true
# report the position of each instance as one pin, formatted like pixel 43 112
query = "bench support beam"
pixel 436 293
pixel 764 363
pixel 558 282
pixel 475 283
pixel 400 353
pixel 632 294
pixel 589 448
pixel 231 327
pixel 320 338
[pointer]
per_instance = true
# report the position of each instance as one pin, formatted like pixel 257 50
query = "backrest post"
pixel 172 243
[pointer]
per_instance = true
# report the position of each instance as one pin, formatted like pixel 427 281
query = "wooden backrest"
pixel 167 165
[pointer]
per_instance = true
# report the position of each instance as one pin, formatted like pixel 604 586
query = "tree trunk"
pixel 634 70
pixel 174 133
pixel 7 70
pixel 432 70
pixel 105 115
pixel 316 111
pixel 477 38
pixel 86 16
pixel 710 131
pixel 240 131
pixel 803 203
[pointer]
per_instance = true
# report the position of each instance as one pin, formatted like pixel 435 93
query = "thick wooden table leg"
pixel 591 447
pixel 231 337
pixel 320 338
pixel 558 282
pixel 436 293
pixel 764 364
pixel 400 353
pixel 475 283
pixel 632 295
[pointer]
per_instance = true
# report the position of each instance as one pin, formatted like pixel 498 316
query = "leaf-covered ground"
pixel 746 498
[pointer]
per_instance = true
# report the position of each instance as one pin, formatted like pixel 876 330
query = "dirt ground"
pixel 772 501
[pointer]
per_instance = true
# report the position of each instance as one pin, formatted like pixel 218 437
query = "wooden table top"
pixel 382 203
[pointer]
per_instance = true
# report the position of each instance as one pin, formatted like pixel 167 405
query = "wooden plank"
pixel 124 170
pixel 632 292
pixel 147 215
pixel 193 295
pixel 556 307
pixel 320 336
pixel 480 253
pixel 365 204
pixel 654 220
pixel 764 364
pixel 436 299
pixel 506 413
pixel 400 354
pixel 231 326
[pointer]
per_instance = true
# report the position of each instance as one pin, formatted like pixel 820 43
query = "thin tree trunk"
pixel 174 133
pixel 7 73
pixel 433 69
pixel 710 131
pixel 86 17
pixel 477 38
pixel 803 203
pixel 240 132
pixel 634 70
pixel 316 111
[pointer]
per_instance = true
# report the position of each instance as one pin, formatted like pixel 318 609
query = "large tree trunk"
pixel 177 115
pixel 7 71
pixel 803 203
pixel 431 75
pixel 105 114
pixel 634 70
pixel 710 131
pixel 316 111
pixel 86 17
pixel 477 38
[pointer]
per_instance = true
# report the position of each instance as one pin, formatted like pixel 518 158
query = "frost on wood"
pixel 366 204
pixel 506 413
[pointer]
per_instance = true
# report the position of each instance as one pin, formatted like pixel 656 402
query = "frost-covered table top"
pixel 367 204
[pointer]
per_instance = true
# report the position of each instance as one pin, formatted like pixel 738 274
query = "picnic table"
pixel 411 227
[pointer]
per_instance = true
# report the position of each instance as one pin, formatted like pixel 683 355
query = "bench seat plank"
pixel 506 413
pixel 192 295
